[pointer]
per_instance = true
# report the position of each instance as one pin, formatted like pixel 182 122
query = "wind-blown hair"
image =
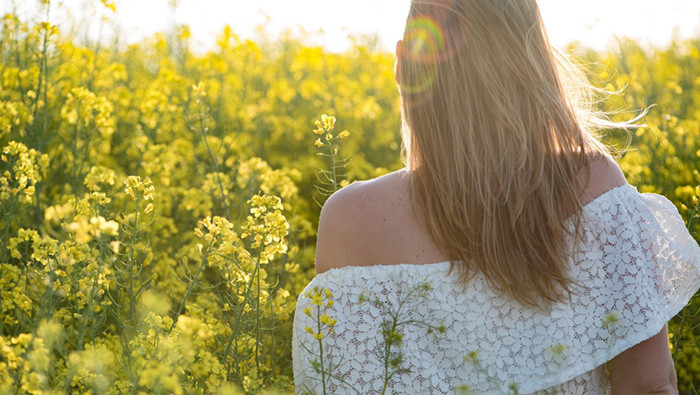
pixel 497 126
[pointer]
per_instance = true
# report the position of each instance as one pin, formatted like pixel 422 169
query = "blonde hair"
pixel 494 140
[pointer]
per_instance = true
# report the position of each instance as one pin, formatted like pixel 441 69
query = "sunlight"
pixel 649 22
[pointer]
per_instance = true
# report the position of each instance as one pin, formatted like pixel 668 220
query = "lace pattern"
pixel 638 266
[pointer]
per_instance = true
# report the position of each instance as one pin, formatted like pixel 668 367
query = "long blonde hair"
pixel 494 141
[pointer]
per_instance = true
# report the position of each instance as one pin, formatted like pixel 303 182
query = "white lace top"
pixel 411 329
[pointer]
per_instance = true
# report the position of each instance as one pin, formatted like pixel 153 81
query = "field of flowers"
pixel 159 206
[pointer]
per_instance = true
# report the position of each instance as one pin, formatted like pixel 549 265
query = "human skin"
pixel 371 222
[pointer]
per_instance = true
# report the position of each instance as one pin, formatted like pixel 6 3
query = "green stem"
pixel 75 149
pixel 320 346
pixel 203 130
pixel 132 263
pixel 677 337
pixel 334 175
pixel 179 311
pixel 234 333
pixel 9 213
pixel 43 78
pixel 189 290
pixel 387 355
pixel 257 323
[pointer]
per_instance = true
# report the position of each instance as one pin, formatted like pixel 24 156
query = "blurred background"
pixel 648 22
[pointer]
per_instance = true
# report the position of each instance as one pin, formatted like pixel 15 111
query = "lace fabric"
pixel 638 267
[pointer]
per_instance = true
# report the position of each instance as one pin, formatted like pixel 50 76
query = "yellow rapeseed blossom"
pixel 137 188
pixel 23 235
pixel 472 357
pixel 109 4
pixel 24 168
pixel 611 319
pixel 319 128
pixel 318 143
pixel 343 134
pixel 325 319
pixel 317 299
pixel 267 226
pixel 99 176
pixel 198 91
pixel 328 121
pixel 84 110
pixel 198 232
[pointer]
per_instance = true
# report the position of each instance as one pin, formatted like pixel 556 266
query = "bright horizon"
pixel 594 23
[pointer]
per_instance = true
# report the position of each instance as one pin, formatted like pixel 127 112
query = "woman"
pixel 510 255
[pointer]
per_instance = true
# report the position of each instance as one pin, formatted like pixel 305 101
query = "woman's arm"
pixel 646 368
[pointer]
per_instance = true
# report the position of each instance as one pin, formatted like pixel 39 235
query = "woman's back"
pixel 402 323
pixel 373 223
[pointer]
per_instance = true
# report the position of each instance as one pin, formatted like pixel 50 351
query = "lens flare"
pixel 422 78
pixel 435 33
pixel 424 40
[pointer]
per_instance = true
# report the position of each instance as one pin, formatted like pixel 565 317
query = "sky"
pixel 594 23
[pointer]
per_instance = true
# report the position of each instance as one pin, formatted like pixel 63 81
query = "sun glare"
pixel 330 23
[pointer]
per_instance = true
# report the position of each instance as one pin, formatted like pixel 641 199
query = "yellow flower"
pixel 109 4
pixel 472 357
pixel 318 143
pixel 149 208
pixel 344 134
pixel 308 329
pixel 329 304
pixel 325 319
pixel 328 121
pixel 611 319
pixel 198 90
pixel 318 131
pixel 318 336
pixel 307 310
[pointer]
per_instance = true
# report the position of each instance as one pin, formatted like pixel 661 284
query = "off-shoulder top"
pixel 414 329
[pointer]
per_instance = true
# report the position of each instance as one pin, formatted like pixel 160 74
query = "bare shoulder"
pixel 352 208
pixel 602 174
